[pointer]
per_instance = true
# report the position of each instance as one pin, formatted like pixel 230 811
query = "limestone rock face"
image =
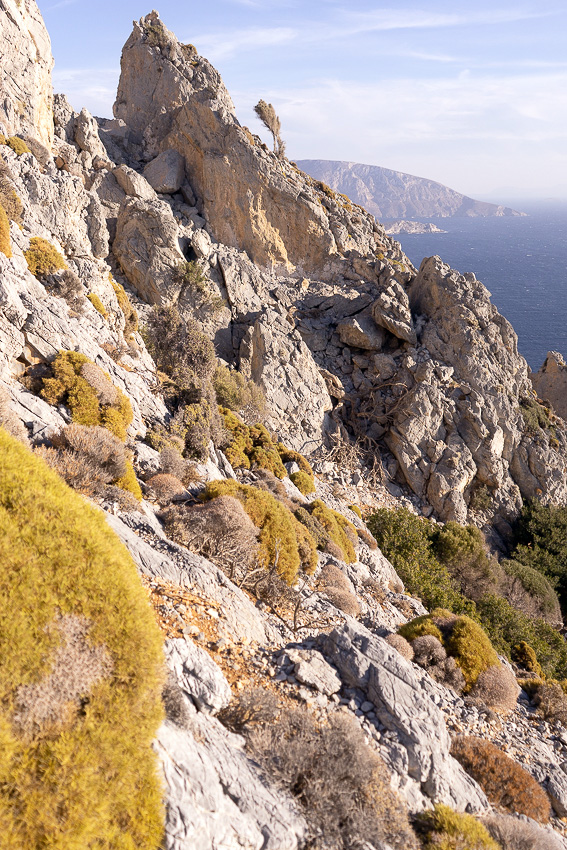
pixel 276 358
pixel 26 94
pixel 550 383
pixel 166 172
pixel 391 311
pixel 367 662
pixel 147 247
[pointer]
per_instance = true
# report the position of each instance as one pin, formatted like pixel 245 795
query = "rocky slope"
pixel 305 294
pixel 392 194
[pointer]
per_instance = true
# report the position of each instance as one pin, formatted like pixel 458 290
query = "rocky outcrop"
pixel 26 94
pixel 393 194
pixel 550 383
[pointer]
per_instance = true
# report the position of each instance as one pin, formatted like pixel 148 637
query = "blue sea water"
pixel 521 261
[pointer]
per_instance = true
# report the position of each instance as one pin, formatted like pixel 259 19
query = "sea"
pixel 522 261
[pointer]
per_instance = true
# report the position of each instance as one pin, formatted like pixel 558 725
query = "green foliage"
pixel 540 537
pixel 406 540
pixel 129 482
pixel 238 393
pixel 503 781
pixel 313 526
pixel 291 456
pixel 97 304
pixel 130 314
pixel 524 655
pixel 303 482
pixel 43 258
pixel 69 386
pixel 462 550
pixel 340 530
pixel 199 421
pixel 355 509
pixel 445 829
pixel 5 246
pixel 481 500
pixel 283 540
pixel 251 446
pixel 18 145
pixel 190 273
pixel 536 416
pixel 85 776
pixel 537 586
pixel 419 626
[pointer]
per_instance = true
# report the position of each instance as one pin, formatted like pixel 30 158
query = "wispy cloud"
pixel 222 45
pixel 60 5
pixel 94 88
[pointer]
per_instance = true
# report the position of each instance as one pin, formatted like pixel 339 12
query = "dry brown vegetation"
pixel 497 687
pixel 504 782
pixel 514 834
pixel 401 645
pixel 165 487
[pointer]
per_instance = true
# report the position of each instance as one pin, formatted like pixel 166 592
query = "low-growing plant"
pixel 463 551
pixel 497 688
pixel 400 644
pixel 529 591
pixel 355 509
pixel 551 701
pixel 66 284
pixel 251 446
pixel 240 394
pixel 524 656
pixel 171 462
pixel 5 246
pixel 18 145
pixel 430 653
pixel 165 487
pixel 540 537
pixel 76 751
pixel 336 587
pixel 279 530
pixel 84 388
pixel 535 415
pixel 315 528
pixel 341 532
pixel 503 780
pixel 303 482
pixel 514 834
pixel 97 304
pixel 9 198
pixel 339 782
pixel 43 258
pixel 444 829
pixel 129 482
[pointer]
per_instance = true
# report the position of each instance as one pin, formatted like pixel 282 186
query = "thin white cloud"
pixel 94 88
pixel 60 5
pixel 222 45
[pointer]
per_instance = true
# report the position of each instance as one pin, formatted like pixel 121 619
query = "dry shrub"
pixel 551 701
pixel 5 246
pixel 9 419
pixel 340 783
pixel 43 258
pixel 514 834
pixel 106 392
pixel 401 645
pixel 103 450
pixel 165 487
pixel 77 667
pixel 375 589
pixel 430 653
pixel 334 550
pixel 336 587
pixel 503 781
pixel 333 576
pixel 171 462
pixel 8 197
pixel 174 703
pixel 266 480
pixel 78 471
pixel 366 537
pixel 249 708
pixel 67 285
pixel 497 688
pixel 220 530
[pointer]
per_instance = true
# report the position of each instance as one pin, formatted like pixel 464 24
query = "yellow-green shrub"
pixel 5 246
pixel 282 536
pixel 291 456
pixel 68 386
pixel 355 509
pixel 463 639
pixel 43 258
pixel 129 482
pixel 448 830
pixel 130 313
pixel 236 392
pixel 97 304
pixel 303 482
pixel 337 527
pixel 18 145
pixel 524 655
pixel 251 445
pixel 3 139
pixel 89 779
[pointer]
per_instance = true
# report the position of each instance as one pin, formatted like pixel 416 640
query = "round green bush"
pixel 78 632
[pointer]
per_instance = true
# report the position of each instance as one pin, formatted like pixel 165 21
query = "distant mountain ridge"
pixel 391 194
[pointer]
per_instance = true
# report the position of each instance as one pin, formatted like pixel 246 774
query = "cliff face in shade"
pixel 26 94
pixel 392 194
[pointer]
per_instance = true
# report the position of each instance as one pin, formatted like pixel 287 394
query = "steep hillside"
pixel 288 426
pixel 391 194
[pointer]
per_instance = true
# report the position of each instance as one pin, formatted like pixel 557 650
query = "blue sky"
pixel 472 94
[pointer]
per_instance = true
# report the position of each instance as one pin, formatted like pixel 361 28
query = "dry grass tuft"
pixel 165 487
pixel 514 834
pixel 401 645
pixel 497 688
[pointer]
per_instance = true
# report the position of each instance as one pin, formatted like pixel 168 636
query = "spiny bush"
pixel 463 551
pixel 536 417
pixel 430 654
pixel 444 829
pixel 251 446
pixel 102 448
pixel 503 781
pixel 129 311
pixel 250 707
pixel 355 509
pixel 165 487
pixel 81 774
pixel 462 638
pixel 67 285
pixel 239 394
pixel 86 393
pixel 43 258
pixel 291 456
pixel 5 246
pixel 341 532
pixel 315 528
pixel 279 530
pixel 171 462
pixel 514 834
pixel 266 480
pixel 220 530
pixel 497 688
pixel 129 482
pixel 340 783
pixel 18 145
pixel 97 304
pixel 303 482
pixel 400 644
pixel 551 701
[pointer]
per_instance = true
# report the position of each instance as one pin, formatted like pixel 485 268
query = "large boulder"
pixel 550 383
pixel 166 173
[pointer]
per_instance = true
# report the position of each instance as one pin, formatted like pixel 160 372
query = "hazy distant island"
pixel 414 227
pixel 391 194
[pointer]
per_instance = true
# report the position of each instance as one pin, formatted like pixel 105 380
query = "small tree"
pixel 267 114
